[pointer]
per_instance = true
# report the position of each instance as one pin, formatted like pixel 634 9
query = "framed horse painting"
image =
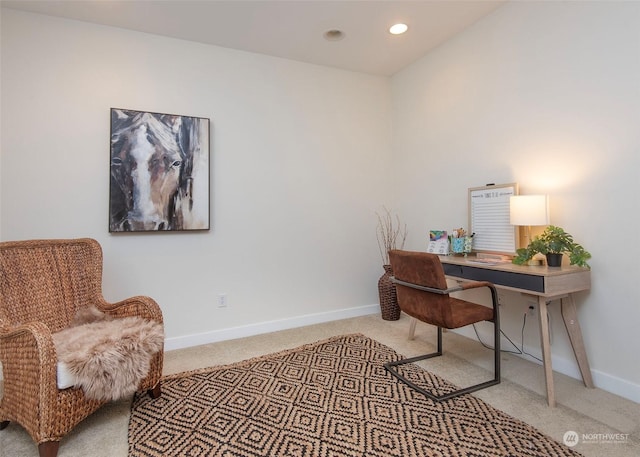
pixel 159 172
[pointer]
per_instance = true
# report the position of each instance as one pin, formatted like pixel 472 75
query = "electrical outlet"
pixel 222 300
pixel 532 310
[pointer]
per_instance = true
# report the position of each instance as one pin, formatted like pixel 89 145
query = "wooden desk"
pixel 544 283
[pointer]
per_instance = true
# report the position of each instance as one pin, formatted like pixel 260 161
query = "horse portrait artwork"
pixel 159 172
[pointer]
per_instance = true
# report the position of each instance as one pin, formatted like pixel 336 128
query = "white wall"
pixel 299 157
pixel 546 94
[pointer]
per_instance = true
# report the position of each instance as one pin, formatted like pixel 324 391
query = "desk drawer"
pixel 533 283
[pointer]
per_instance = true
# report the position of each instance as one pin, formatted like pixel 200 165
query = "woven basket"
pixel 388 299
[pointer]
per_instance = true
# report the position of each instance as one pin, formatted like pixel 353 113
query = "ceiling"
pixel 289 29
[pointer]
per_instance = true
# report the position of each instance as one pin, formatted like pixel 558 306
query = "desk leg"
pixel 546 350
pixel 412 328
pixel 570 317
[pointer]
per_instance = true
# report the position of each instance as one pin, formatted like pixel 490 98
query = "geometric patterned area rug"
pixel 330 398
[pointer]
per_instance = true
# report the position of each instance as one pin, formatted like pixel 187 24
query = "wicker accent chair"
pixel 43 283
pixel 423 294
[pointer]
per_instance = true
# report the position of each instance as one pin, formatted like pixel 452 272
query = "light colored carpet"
pixel 591 412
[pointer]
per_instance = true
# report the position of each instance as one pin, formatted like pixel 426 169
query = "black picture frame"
pixel 159 172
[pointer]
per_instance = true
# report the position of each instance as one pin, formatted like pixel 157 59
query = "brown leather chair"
pixel 43 284
pixel 423 294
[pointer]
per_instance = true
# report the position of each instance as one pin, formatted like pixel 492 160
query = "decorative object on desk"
pixel 457 245
pixel 461 243
pixel 468 244
pixel 391 235
pixel 554 240
pixel 528 211
pixel 438 242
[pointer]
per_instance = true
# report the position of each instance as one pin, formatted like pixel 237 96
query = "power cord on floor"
pixel 519 351
pixel 524 323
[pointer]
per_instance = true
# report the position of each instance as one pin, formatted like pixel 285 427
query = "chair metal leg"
pixel 390 366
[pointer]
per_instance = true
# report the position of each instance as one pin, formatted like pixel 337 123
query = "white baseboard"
pixel 615 385
pixel 601 380
pixel 569 367
pixel 198 339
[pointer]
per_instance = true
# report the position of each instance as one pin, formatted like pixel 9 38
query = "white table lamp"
pixel 529 210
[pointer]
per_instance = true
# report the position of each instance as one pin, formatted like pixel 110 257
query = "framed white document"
pixel 489 219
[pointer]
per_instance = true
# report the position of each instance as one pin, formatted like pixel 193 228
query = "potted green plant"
pixel 553 243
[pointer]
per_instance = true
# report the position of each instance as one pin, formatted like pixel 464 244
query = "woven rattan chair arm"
pixel 138 306
pixel 34 337
pixel 32 341
pixel 29 360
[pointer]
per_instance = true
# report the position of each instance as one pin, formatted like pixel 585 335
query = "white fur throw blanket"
pixel 108 358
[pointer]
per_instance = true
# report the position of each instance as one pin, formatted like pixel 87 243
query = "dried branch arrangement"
pixel 391 235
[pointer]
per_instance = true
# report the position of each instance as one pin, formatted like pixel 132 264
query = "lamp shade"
pixel 529 210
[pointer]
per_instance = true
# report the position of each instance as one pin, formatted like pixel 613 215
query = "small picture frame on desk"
pixel 438 242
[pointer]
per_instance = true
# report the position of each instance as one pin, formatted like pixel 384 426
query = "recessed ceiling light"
pixel 398 29
pixel 334 35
